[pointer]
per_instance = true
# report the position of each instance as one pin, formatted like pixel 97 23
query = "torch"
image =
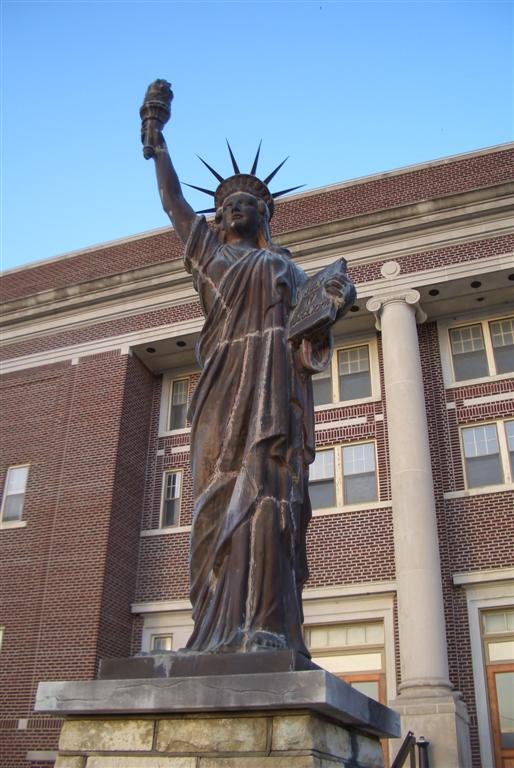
pixel 155 113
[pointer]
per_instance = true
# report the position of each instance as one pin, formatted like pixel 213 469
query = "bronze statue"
pixel 266 331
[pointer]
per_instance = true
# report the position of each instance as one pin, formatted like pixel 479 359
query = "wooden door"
pixel 500 683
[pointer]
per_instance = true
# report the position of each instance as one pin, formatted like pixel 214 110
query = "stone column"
pixel 423 651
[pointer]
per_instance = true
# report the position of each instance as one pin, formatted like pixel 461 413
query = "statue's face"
pixel 241 215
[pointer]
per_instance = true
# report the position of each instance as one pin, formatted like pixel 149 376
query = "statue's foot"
pixel 260 640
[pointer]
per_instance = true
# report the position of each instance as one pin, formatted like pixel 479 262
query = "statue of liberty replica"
pixel 266 331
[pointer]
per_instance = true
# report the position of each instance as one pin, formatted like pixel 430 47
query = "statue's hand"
pixel 152 138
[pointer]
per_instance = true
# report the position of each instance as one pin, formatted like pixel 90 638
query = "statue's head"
pixel 245 213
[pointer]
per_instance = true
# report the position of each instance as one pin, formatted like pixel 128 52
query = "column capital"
pixel 410 297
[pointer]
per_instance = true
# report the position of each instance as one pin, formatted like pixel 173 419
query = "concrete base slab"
pixel 314 690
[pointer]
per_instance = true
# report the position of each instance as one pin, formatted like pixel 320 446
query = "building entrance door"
pixel 500 683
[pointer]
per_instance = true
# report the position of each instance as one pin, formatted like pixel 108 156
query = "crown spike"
pixel 214 173
pixel 254 166
pixel 285 191
pixel 277 169
pixel 234 164
pixel 200 189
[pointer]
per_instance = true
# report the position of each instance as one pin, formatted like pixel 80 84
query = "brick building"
pixel 410 547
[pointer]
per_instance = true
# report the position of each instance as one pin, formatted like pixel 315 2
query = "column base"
pixel 441 717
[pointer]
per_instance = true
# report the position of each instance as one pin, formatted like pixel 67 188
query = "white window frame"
pixel 445 326
pixel 21 523
pixel 340 506
pixel 485 590
pixel 503 448
pixel 2 635
pixel 171 471
pixel 374 373
pixel 155 635
pixel 166 393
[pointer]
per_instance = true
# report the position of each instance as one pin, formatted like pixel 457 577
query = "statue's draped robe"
pixel 252 440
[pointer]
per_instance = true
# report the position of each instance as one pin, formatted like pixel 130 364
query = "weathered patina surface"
pixel 252 412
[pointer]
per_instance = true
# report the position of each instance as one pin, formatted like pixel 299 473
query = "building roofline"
pixel 307 193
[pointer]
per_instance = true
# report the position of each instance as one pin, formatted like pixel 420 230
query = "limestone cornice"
pixel 390 233
pixel 395 232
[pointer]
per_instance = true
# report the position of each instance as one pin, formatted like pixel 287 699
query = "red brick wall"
pixel 67 578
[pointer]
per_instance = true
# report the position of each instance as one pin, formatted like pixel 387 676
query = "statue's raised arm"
pixel 155 113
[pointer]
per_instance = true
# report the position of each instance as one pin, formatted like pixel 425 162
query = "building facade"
pixel 411 589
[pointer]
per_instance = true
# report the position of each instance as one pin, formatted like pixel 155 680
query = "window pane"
pixel 356 634
pixel 359 489
pixel 354 374
pixel 322 494
pixel 468 352
pixel 468 339
pixel 495 622
pixel 505 695
pixel 178 410
pixel 170 516
pixel 484 470
pixel 502 335
pixel 352 662
pixel 501 651
pixel 480 441
pixel 162 642
pixel 13 507
pixel 322 466
pixel 359 481
pixel 359 458
pixel 171 501
pixel 374 633
pixel 322 387
pixel 17 479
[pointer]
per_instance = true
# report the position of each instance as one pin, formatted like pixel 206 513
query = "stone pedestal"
pixel 271 740
pixel 305 719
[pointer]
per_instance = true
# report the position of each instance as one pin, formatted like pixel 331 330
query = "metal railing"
pixel 408 750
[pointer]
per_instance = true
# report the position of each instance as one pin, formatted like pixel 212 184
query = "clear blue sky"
pixel 345 88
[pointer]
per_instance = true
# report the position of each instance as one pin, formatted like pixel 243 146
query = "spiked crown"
pixel 242 182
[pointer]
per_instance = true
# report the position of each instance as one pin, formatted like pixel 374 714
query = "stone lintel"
pixel 313 690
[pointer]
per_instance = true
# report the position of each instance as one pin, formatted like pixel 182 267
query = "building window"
pixel 482 349
pixel 359 473
pixel 178 404
pixel 161 642
pixel 482 456
pixel 1 637
pixel 351 375
pixel 322 387
pixel 502 337
pixel 343 476
pixel 172 488
pixel 14 494
pixel 498 642
pixel 468 352
pixel 322 490
pixel 354 373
